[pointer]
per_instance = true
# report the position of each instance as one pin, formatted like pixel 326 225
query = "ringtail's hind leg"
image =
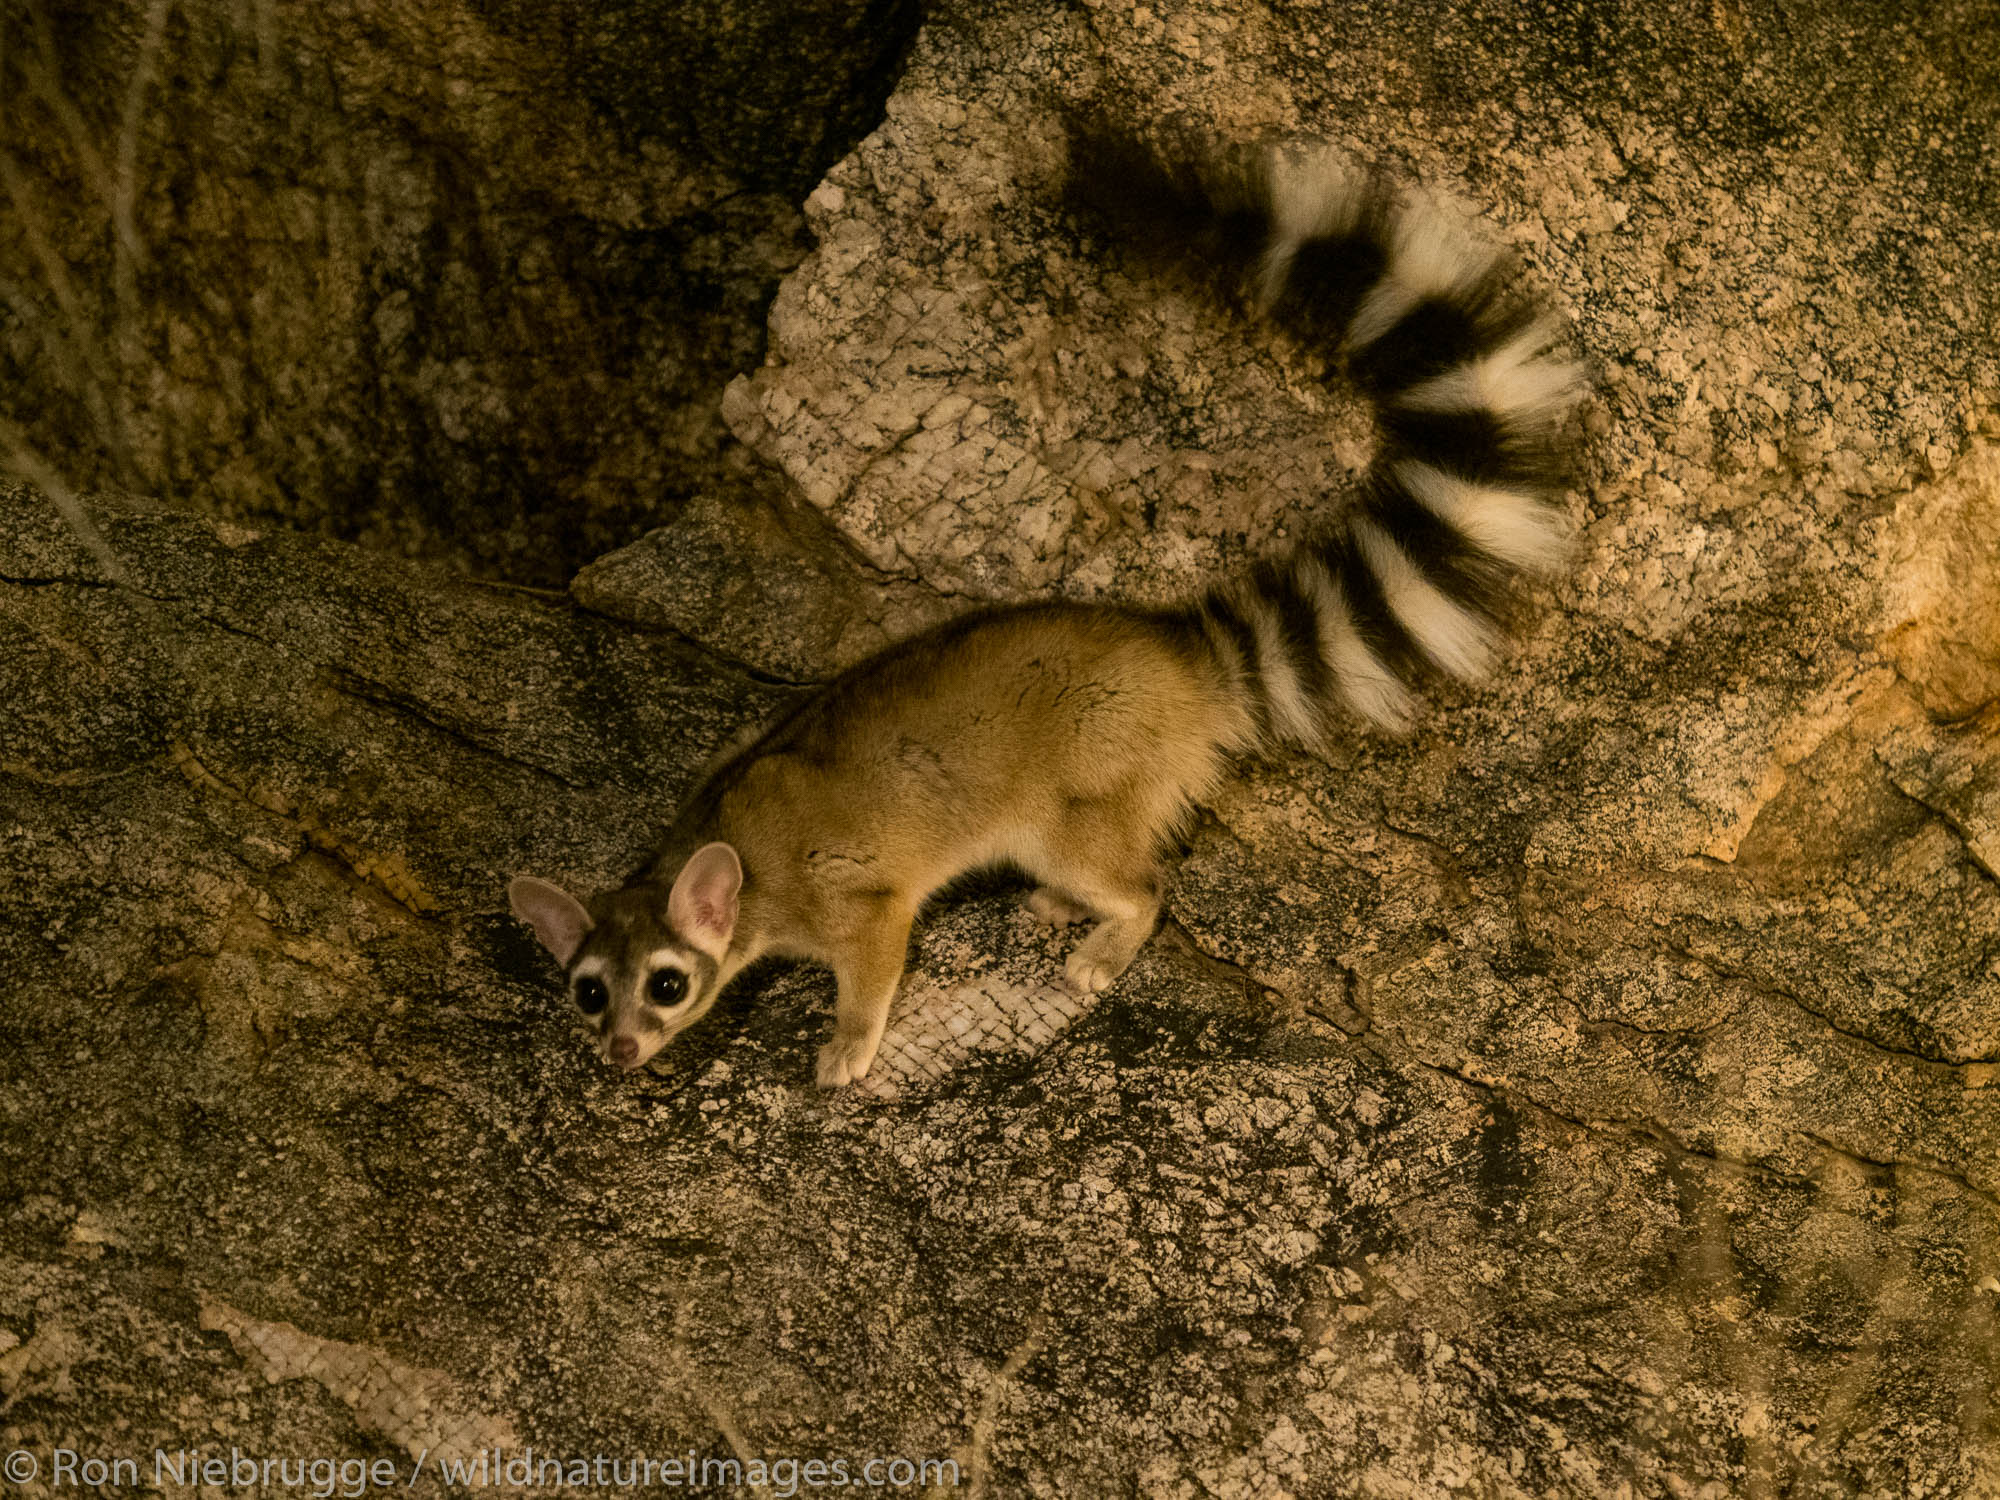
pixel 1103 859
pixel 867 966
pixel 1047 904
pixel 1127 909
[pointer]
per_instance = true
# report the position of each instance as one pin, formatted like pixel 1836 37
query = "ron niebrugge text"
pixel 492 1468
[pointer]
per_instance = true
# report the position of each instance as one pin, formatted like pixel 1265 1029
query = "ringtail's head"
pixel 642 963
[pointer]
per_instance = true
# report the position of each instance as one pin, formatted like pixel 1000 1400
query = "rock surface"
pixel 459 278
pixel 760 582
pixel 1593 1095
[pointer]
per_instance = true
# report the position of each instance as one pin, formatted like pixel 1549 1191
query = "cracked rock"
pixel 1593 1094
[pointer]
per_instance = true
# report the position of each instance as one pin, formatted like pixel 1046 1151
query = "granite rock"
pixel 462 279
pixel 1593 1094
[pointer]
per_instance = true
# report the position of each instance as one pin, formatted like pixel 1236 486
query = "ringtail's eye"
pixel 667 987
pixel 592 996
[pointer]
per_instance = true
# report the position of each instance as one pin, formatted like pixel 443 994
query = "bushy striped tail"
pixel 1429 319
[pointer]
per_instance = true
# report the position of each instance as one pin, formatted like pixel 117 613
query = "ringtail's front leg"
pixel 868 967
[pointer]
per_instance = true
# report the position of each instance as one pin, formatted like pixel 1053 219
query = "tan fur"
pixel 1065 740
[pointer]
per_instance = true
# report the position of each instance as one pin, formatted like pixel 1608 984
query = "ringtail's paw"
pixel 1048 905
pixel 1106 952
pixel 845 1059
pixel 1089 972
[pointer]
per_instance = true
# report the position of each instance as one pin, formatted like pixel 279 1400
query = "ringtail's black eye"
pixel 666 987
pixel 592 996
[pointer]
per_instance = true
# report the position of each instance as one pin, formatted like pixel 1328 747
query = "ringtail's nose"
pixel 625 1051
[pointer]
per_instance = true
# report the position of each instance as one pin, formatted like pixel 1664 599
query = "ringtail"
pixel 1071 739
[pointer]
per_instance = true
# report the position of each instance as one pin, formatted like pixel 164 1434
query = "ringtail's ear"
pixel 702 907
pixel 558 917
